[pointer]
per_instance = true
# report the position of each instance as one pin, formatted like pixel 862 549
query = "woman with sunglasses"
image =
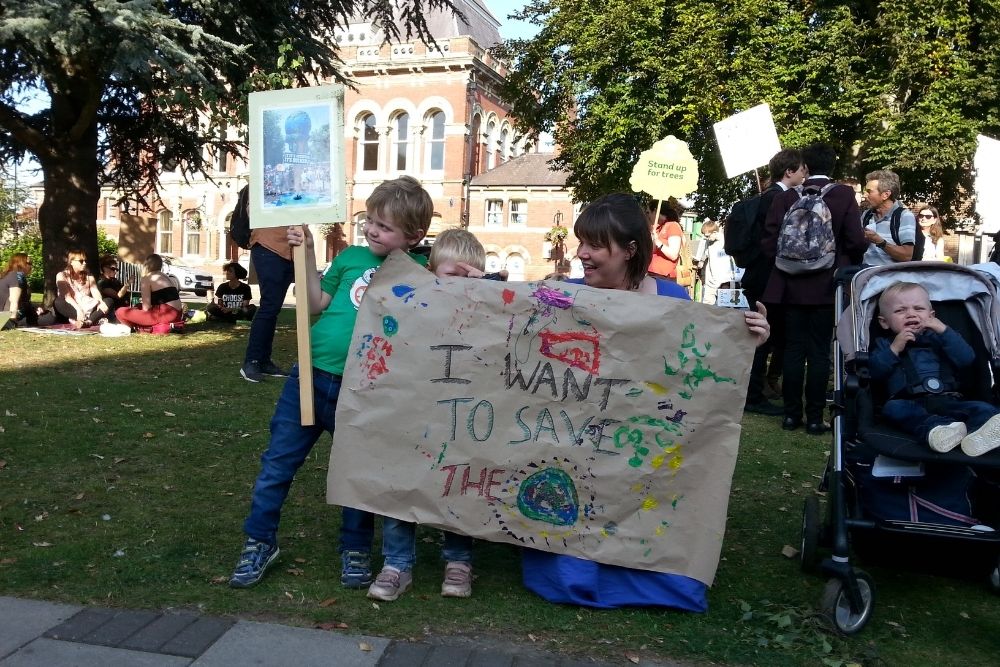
pixel 930 225
pixel 79 301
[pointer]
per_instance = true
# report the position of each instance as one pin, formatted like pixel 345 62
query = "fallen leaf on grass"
pixel 119 554
pixel 364 646
pixel 9 413
pixel 289 595
pixel 7 561
pixel 98 456
pixel 301 560
pixel 331 625
pixel 788 551
pixel 3 464
pixel 42 544
pixel 328 602
pixel 78 496
pixel 375 606
pixel 963 614
pixel 215 581
pixel 295 572
pixel 167 487
pixel 169 414
pixel 42 517
pixel 633 658
pixel 531 637
pixel 148 435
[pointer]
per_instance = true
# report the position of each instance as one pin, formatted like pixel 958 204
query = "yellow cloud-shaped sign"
pixel 666 170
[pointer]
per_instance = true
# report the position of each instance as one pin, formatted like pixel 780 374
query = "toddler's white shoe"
pixel 946 437
pixel 984 439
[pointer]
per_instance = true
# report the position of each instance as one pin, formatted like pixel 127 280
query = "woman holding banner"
pixel 615 249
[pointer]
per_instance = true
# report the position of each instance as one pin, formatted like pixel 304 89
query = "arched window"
pixel 192 232
pixel 493 263
pixel 502 148
pixel 515 267
pixel 490 155
pixel 435 141
pixel 400 141
pixel 474 146
pixel 369 144
pixel 359 228
pixel 165 232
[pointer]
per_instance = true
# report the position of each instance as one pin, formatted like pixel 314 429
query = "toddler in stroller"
pixel 917 346
pixel 919 366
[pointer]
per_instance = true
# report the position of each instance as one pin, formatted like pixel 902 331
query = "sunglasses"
pixel 927 216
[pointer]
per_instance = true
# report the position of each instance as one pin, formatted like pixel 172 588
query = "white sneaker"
pixel 390 584
pixel 457 580
pixel 946 437
pixel 984 439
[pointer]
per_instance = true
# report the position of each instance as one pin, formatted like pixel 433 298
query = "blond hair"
pixel 457 245
pixel 895 289
pixel 405 202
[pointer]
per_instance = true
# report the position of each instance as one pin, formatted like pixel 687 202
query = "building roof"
pixel 479 22
pixel 530 169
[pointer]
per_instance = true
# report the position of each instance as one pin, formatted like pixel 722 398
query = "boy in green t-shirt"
pixel 399 213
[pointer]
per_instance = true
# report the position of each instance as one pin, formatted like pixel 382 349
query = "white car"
pixel 186 278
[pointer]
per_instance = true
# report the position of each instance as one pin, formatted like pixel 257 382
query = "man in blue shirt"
pixel 882 193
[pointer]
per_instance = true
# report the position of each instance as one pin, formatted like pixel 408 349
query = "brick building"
pixel 429 112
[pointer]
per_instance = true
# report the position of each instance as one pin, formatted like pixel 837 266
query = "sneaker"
pixel 390 584
pixel 984 439
pixel 355 569
pixel 946 437
pixel 272 369
pixel 457 580
pixel 254 561
pixel 251 371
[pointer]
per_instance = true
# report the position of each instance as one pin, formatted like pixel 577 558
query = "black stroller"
pixel 883 486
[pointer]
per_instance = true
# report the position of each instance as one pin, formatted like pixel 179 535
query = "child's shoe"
pixel 390 584
pixel 983 439
pixel 946 437
pixel 355 569
pixel 256 558
pixel 457 580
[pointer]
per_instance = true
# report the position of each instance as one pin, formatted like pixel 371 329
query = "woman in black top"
pixel 161 303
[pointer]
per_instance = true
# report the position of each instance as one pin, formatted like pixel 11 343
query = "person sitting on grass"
pixel 399 213
pixel 455 253
pixel 78 300
pixel 232 298
pixel 161 302
pixel 109 284
pixel 919 366
pixel 15 295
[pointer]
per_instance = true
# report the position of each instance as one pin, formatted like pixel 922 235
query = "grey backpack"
pixel 805 239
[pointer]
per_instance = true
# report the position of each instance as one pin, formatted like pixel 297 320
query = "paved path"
pixel 45 634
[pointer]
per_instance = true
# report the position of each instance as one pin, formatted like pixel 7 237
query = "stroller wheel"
pixel 810 534
pixel 836 605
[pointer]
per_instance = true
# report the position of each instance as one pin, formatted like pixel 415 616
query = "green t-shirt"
pixel 345 280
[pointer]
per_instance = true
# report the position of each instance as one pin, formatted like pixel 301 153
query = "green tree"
pixel 133 86
pixel 890 84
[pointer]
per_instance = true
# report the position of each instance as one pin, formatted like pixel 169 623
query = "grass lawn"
pixel 126 466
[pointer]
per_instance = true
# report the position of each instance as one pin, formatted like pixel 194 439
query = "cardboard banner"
pixel 597 423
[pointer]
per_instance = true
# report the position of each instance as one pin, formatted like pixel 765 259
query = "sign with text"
pixel 747 140
pixel 597 423
pixel 668 169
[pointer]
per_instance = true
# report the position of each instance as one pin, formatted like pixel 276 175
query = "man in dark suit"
pixel 808 298
pixel 787 170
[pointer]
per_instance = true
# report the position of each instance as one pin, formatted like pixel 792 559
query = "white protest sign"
pixel 747 140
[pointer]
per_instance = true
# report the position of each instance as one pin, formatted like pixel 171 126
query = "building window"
pixel 192 241
pixel 490 155
pixel 435 143
pixel 493 263
pixel 502 148
pixel 494 212
pixel 474 147
pixel 515 267
pixel 222 157
pixel 400 140
pixel 518 211
pixel 165 233
pixel 369 145
pixel 359 229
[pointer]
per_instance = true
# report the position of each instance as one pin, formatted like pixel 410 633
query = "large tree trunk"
pixel 67 217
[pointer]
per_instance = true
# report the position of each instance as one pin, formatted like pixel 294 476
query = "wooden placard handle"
pixel 302 324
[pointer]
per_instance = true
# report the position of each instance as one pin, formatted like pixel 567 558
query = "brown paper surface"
pixel 596 423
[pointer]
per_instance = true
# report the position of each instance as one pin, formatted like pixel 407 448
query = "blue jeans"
pixel 914 417
pixel 290 443
pixel 274 275
pixel 399 544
